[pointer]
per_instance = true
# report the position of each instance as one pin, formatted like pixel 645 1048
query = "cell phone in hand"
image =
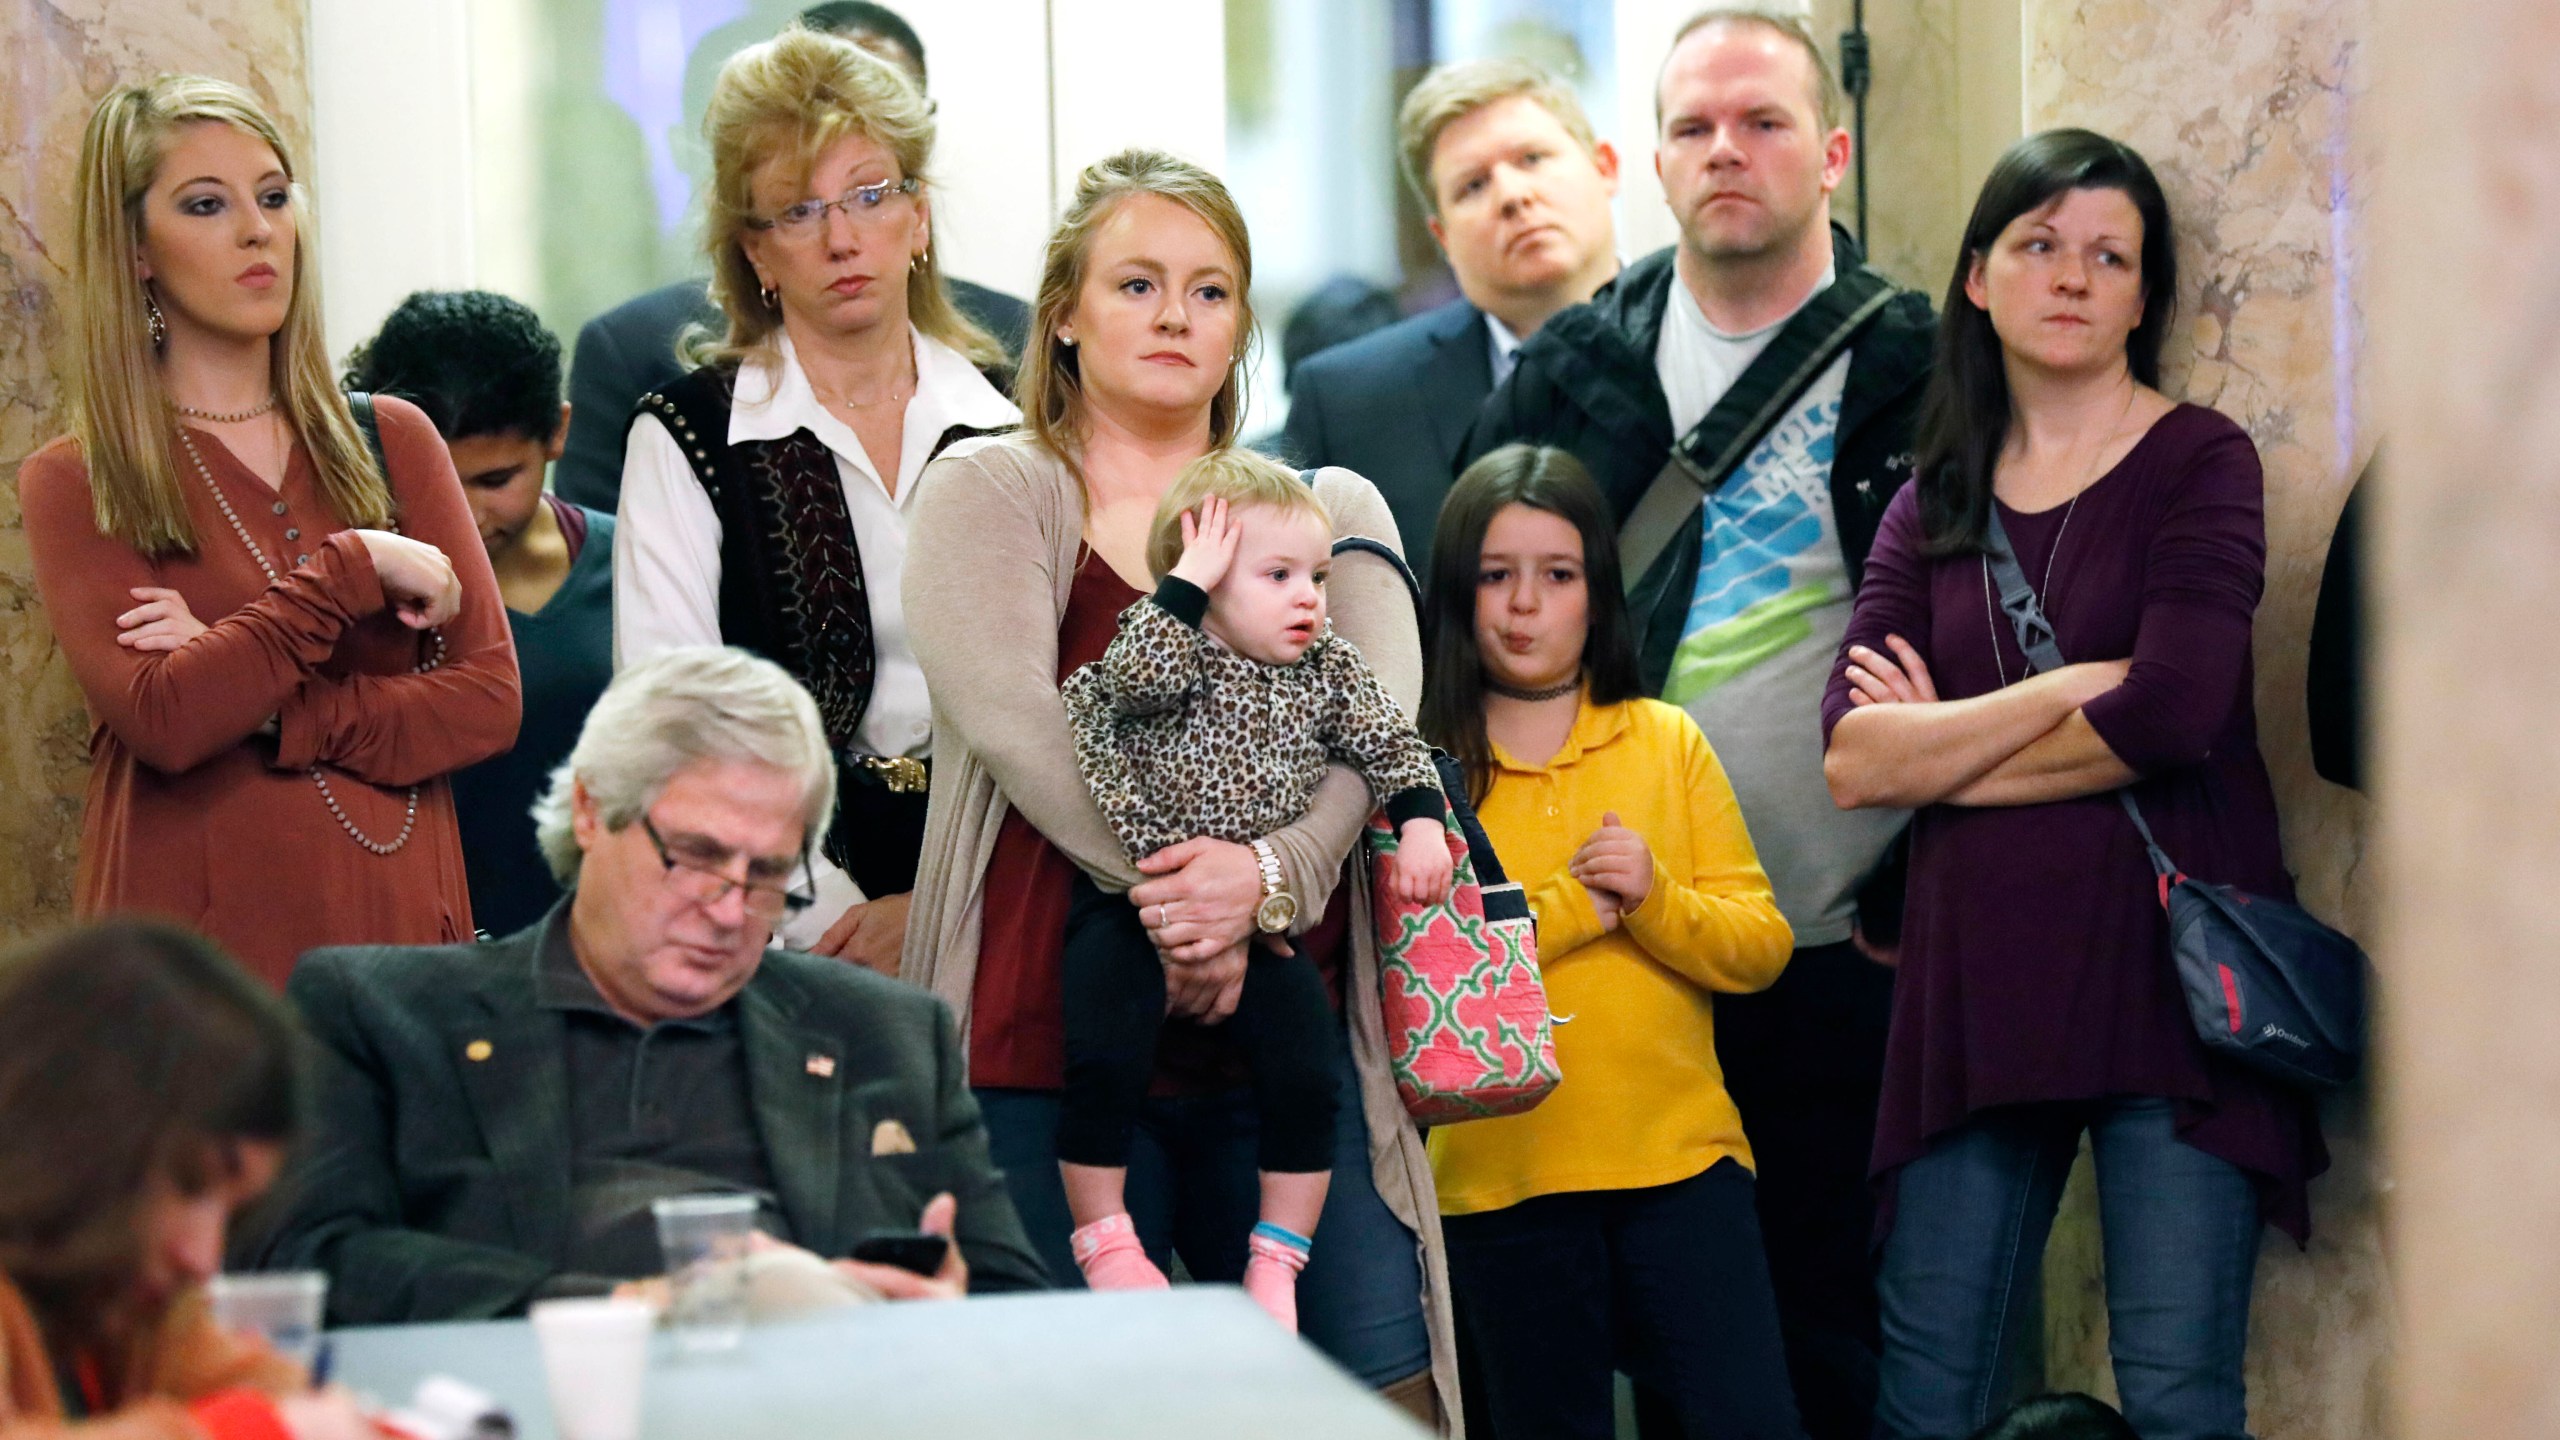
pixel 910 1250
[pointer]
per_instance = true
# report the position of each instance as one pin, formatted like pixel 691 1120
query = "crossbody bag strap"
pixel 2035 637
pixel 369 425
pixel 1795 357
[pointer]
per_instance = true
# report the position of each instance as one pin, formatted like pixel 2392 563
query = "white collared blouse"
pixel 666 551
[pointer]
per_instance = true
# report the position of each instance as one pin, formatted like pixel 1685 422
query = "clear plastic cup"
pixel 706 1238
pixel 595 1356
pixel 283 1306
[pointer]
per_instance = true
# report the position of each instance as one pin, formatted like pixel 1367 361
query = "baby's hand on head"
pixel 1209 538
pixel 1423 868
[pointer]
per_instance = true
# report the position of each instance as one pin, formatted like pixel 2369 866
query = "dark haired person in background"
pixel 2036 1001
pixel 148 1090
pixel 488 375
pixel 630 350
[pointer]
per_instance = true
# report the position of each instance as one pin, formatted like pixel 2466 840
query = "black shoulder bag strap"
pixel 1380 548
pixel 369 425
pixel 2035 638
pixel 1510 903
pixel 1796 357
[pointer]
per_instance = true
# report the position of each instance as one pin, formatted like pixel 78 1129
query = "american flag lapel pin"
pixel 822 1066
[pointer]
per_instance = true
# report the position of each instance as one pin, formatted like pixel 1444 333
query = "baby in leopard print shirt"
pixel 1215 713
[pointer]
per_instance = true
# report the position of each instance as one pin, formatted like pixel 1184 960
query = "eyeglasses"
pixel 860 204
pixel 696 880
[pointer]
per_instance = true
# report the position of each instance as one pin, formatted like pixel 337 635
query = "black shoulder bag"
pixel 2266 983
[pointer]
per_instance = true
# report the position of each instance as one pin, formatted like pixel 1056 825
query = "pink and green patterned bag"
pixel 1468 1035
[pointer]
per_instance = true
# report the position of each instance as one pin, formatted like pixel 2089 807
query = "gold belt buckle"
pixel 902 774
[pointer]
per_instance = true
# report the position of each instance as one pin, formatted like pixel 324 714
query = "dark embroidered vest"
pixel 791 582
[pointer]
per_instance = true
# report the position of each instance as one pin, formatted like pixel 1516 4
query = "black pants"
pixel 1804 1062
pixel 877 835
pixel 1666 1283
pixel 1115 1006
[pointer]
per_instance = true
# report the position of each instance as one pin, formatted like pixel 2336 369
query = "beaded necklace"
pixel 408 822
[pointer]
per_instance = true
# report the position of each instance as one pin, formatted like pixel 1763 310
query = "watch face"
pixel 1275 912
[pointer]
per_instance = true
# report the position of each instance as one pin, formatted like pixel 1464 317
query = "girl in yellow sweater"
pixel 1612 1227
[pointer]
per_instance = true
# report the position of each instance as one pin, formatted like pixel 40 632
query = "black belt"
pixel 897 774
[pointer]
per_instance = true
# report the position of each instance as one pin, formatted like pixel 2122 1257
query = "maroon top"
pixel 2035 959
pixel 1017 1029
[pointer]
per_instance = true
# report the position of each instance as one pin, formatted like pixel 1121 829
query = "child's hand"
pixel 1422 864
pixel 1616 860
pixel 1209 536
pixel 1604 903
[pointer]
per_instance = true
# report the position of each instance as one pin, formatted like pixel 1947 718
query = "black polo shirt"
pixel 653 1112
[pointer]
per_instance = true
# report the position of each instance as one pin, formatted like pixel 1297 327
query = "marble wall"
pixel 1942 104
pixel 61 55
pixel 2249 111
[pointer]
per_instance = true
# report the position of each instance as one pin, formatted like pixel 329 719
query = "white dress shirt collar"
pixel 1506 347
pixel 773 399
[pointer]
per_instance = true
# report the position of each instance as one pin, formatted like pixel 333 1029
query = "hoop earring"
pixel 159 322
pixel 767 295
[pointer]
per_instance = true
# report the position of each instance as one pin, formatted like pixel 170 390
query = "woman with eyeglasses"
pixel 286 638
pixel 766 495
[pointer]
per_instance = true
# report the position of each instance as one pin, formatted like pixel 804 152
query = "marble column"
pixel 61 56
pixel 2467 306
pixel 2249 113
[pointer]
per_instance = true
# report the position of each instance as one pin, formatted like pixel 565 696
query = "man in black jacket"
pixel 1517 189
pixel 1740 614
pixel 630 350
pixel 495 1120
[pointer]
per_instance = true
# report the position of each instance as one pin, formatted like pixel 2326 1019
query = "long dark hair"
pixel 1965 414
pixel 1542 478
pixel 130 1053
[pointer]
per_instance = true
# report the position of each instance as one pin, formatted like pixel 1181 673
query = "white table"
pixel 1168 1365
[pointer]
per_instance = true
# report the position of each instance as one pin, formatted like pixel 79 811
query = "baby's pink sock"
pixel 1271 1275
pixel 1108 1253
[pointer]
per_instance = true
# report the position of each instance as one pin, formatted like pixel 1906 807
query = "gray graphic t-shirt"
pixel 1767 616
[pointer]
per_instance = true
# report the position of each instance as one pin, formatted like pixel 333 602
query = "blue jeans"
pixel 2180 1235
pixel 1194 1190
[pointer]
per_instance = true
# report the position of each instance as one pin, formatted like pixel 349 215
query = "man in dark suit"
pixel 630 350
pixel 1517 190
pixel 495 1120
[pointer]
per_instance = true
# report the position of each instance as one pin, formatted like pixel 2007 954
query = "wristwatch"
pixel 1278 907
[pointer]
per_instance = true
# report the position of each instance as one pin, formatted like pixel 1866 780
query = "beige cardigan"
pixel 991 558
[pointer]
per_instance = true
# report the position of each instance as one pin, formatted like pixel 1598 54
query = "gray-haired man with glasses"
pixel 495 1120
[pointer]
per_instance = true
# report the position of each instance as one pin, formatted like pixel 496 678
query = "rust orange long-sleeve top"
pixel 195 817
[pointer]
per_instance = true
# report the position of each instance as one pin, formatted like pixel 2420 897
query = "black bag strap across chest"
pixel 1700 461
pixel 2036 641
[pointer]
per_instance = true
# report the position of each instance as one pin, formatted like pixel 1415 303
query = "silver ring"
pixel 1161 919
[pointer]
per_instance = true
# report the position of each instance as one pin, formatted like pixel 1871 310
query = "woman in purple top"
pixel 2036 1000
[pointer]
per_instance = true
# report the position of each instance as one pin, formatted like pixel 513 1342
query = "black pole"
pixel 1856 70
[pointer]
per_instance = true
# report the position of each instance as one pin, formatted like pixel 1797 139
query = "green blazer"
pixel 435 1182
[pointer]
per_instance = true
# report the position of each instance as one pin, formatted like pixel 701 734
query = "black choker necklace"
pixel 1552 692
